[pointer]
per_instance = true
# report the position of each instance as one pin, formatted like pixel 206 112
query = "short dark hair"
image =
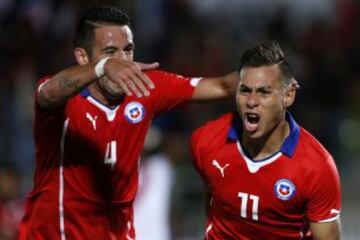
pixel 94 17
pixel 267 54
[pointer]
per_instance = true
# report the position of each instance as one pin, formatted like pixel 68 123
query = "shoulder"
pixel 314 154
pixel 212 134
pixel 159 75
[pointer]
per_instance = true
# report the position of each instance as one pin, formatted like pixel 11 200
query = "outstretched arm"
pixel 326 230
pixel 216 88
pixel 67 83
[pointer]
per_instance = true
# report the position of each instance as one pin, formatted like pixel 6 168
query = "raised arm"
pixel 127 75
pixel 326 230
pixel 216 88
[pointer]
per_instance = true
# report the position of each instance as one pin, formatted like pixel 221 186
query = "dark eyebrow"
pixel 243 86
pixel 267 88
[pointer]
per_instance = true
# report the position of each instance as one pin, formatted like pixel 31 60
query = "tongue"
pixel 251 127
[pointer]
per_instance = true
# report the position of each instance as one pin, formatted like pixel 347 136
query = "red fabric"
pixel 311 170
pixel 97 197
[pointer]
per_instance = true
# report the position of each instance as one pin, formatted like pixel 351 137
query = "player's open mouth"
pixel 251 121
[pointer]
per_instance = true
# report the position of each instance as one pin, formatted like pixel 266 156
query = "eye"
pixel 264 92
pixel 244 90
pixel 129 49
pixel 109 52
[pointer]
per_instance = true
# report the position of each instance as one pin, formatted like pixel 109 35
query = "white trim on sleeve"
pixel 42 84
pixel 195 81
pixel 330 219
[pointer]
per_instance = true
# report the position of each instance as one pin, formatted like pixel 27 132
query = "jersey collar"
pixel 85 92
pixel 288 146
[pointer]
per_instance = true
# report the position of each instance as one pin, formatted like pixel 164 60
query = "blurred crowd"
pixel 193 38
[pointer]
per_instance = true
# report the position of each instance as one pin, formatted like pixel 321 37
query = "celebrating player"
pixel 267 177
pixel 89 129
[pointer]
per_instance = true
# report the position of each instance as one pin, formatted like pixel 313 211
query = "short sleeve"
pixel 324 203
pixel 171 90
pixel 40 83
pixel 46 114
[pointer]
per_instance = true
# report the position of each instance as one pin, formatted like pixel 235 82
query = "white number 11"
pixel 244 204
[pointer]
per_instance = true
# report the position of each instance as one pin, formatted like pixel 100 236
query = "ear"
pixel 81 56
pixel 291 93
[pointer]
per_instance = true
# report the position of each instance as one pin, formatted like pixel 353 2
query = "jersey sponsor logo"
pixel 284 189
pixel 221 169
pixel 134 112
pixel 92 119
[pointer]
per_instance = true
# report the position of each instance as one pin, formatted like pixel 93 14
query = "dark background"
pixel 192 38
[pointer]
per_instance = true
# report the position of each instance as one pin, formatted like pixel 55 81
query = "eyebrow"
pixel 265 87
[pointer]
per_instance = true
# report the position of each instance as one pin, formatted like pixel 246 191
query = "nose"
pixel 252 100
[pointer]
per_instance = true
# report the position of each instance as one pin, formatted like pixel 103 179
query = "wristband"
pixel 99 67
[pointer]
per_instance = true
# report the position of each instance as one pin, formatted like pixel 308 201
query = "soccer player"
pixel 268 178
pixel 90 125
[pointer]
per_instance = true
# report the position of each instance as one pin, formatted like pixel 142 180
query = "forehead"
pixel 113 34
pixel 261 76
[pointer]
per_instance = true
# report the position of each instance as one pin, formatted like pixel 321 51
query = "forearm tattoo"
pixel 66 83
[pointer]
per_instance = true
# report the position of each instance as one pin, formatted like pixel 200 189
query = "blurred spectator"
pixel 11 205
pixel 198 38
pixel 152 205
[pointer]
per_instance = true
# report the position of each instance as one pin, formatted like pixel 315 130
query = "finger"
pixel 132 87
pixel 144 78
pixel 139 83
pixel 125 89
pixel 147 66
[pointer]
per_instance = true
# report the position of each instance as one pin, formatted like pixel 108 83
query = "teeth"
pixel 252 115
pixel 252 118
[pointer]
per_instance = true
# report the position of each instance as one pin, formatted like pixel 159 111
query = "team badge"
pixel 284 189
pixel 134 112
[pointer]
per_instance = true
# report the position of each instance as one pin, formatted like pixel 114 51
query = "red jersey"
pixel 87 158
pixel 274 198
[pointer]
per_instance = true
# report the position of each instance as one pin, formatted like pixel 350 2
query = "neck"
pixel 102 97
pixel 269 144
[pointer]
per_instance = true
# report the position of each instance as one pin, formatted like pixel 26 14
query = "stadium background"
pixel 193 38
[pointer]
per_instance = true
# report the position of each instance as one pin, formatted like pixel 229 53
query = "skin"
pixel 112 41
pixel 119 71
pixel 122 77
pixel 261 91
pixel 116 42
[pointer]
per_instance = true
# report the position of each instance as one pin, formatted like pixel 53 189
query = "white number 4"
pixel 244 204
pixel 110 154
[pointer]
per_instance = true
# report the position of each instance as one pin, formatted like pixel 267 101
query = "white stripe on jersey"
pixel 61 182
pixel 208 229
pixel 128 233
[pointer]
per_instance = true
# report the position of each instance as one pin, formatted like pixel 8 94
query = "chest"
pixel 101 135
pixel 255 190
